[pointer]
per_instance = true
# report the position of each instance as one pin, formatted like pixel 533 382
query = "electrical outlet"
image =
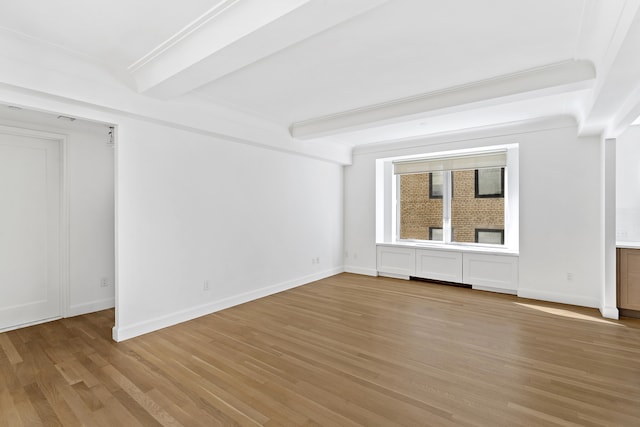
pixel 569 276
pixel 104 282
pixel 318 260
pixel 205 286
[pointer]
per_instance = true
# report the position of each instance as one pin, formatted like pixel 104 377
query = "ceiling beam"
pixel 615 104
pixel 567 76
pixel 232 35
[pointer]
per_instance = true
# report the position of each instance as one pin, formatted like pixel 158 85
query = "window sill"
pixel 453 248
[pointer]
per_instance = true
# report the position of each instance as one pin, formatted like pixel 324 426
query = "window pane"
pixel 493 237
pixel 418 212
pixel 470 213
pixel 489 182
pixel 435 233
pixel 436 185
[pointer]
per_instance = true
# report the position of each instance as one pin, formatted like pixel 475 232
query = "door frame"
pixel 61 140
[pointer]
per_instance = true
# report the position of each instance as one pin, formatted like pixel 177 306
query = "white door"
pixel 29 230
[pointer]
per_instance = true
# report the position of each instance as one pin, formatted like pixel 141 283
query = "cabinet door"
pixel 439 265
pixel 629 279
pixel 396 262
pixel 497 273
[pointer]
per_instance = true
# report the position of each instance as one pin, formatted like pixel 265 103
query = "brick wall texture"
pixel 418 212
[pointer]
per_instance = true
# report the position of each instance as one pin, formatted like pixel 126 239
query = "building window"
pixel 489 183
pixel 435 185
pixel 435 233
pixel 489 236
pixel 436 188
pixel 429 208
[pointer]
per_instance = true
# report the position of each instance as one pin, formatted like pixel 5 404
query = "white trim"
pixel 569 75
pixel 558 297
pixel 491 289
pixel 91 307
pixel 65 229
pixel 170 319
pixel 116 224
pixel 360 270
pixel 196 25
pixel 504 132
pixel 610 312
pixel 26 325
pixel 393 275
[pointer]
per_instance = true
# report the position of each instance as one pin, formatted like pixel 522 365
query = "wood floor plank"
pixel 348 350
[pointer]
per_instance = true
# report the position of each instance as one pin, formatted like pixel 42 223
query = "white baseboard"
pixel 26 325
pixel 498 290
pixel 361 270
pixel 91 307
pixel 560 298
pixel 610 312
pixel 393 275
pixel 141 328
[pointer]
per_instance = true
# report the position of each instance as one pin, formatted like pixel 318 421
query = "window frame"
pixel 447 190
pixel 387 194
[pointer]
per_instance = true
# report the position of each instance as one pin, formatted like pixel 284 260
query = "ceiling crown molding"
pixel 566 76
pixel 191 28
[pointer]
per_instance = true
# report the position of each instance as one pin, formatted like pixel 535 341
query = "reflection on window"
pixel 435 233
pixel 477 203
pixel 488 236
pixel 436 186
pixel 489 183
pixel 417 211
pixel 469 212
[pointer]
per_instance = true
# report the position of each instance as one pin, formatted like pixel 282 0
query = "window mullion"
pixel 446 207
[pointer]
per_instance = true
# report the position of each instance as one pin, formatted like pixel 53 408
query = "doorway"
pixel 30 229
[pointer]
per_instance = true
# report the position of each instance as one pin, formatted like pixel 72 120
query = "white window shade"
pixel 476 161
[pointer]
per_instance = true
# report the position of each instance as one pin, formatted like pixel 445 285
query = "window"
pixel 419 212
pixel 429 208
pixel 436 180
pixel 435 233
pixel 492 237
pixel 489 183
pixel 435 185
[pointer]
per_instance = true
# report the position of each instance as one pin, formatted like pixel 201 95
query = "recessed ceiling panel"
pixel 403 48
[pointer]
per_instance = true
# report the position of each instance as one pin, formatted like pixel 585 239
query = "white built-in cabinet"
pixel 438 265
pixel 492 271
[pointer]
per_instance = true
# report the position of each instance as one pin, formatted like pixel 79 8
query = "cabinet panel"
pixel 491 272
pixel 439 265
pixel 629 279
pixel 396 262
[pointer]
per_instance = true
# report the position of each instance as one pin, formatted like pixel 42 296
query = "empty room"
pixel 320 213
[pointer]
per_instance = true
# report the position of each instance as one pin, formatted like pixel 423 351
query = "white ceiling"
pixel 361 71
pixel 114 32
pixel 400 49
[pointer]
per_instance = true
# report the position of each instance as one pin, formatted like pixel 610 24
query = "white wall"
pixel 90 187
pixel 560 207
pixel 193 208
pixel 91 214
pixel 628 186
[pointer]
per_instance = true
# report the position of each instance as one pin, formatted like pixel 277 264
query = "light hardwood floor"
pixel 347 350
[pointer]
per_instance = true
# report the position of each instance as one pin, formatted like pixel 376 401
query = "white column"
pixel 608 306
